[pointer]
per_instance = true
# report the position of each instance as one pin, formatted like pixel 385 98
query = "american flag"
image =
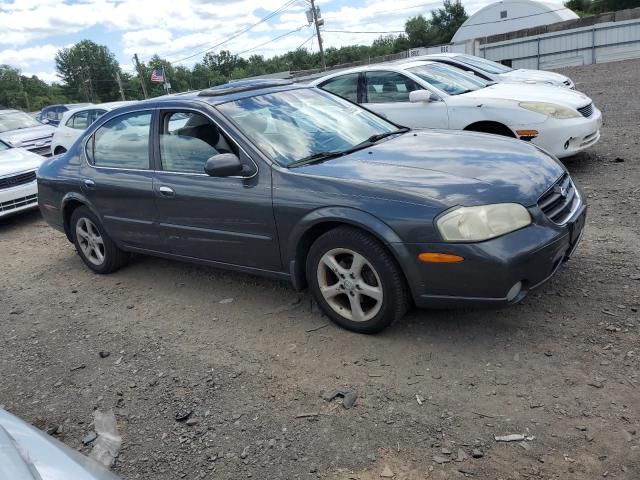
pixel 157 76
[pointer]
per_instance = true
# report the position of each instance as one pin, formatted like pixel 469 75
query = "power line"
pixel 306 41
pixel 272 40
pixel 279 10
pixel 388 11
pixel 353 31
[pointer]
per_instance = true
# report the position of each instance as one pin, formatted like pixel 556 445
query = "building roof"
pixel 510 15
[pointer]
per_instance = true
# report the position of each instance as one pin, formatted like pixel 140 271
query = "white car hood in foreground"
pixel 540 76
pixel 26 453
pixel 533 93
pixel 16 160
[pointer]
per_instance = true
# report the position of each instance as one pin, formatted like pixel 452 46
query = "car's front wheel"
pixel 94 246
pixel 356 281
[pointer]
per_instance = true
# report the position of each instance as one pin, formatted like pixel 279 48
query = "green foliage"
pixel 439 29
pixel 26 93
pixel 592 7
pixel 88 71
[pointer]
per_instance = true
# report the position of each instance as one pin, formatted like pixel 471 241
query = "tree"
pixel 419 32
pixel 26 93
pixel 88 71
pixel 446 21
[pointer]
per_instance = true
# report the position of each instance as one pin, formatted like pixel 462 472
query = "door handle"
pixel 89 183
pixel 167 191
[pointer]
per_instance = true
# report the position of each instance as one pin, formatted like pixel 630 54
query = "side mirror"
pixel 223 165
pixel 426 96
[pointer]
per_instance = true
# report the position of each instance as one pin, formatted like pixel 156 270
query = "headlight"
pixel 474 224
pixel 550 109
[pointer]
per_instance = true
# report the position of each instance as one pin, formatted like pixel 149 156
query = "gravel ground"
pixel 250 357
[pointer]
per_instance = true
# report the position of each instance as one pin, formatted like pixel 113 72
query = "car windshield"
pixel 16 121
pixel 293 125
pixel 448 79
pixel 483 64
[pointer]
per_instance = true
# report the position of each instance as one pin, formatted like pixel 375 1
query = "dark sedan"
pixel 289 181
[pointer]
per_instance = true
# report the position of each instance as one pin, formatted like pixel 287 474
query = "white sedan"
pixel 424 94
pixel 496 72
pixel 76 121
pixel 18 188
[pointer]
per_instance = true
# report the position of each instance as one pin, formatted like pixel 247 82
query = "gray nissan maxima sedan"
pixel 284 180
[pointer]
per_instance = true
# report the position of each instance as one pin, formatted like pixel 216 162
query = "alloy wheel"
pixel 349 284
pixel 90 241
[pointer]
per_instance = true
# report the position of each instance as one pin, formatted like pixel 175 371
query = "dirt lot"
pixel 250 357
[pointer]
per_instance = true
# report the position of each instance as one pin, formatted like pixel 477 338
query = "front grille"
pixel 18 202
pixel 15 180
pixel 560 201
pixel 586 111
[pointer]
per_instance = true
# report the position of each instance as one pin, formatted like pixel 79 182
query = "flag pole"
pixel 166 80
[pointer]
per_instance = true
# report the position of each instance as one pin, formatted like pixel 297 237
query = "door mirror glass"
pixel 223 165
pixel 422 96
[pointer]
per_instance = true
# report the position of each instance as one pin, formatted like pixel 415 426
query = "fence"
pixel 598 43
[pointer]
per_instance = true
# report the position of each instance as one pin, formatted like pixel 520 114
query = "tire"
pixel 94 246
pixel 376 283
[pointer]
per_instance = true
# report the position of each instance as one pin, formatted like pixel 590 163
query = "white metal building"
pixel 510 15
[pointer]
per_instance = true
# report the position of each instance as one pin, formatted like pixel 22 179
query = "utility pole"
pixel 318 21
pixel 26 95
pixel 139 70
pixel 119 80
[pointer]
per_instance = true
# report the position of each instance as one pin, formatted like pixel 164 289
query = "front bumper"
pixel 17 199
pixel 564 138
pixel 492 270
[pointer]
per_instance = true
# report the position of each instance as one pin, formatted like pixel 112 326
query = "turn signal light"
pixel 431 257
pixel 527 133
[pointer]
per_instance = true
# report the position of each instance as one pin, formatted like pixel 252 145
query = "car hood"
pixel 533 93
pixel 27 453
pixel 14 137
pixel 524 75
pixel 15 160
pixel 446 168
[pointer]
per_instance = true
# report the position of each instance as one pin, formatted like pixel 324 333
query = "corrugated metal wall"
pixel 600 43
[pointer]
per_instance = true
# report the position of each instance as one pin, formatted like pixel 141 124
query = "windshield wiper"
pixel 316 158
pixel 322 156
pixel 380 136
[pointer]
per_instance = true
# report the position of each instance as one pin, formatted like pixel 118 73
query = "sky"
pixel 32 31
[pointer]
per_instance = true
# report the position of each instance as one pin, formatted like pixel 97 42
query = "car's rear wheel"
pixel 356 281
pixel 94 246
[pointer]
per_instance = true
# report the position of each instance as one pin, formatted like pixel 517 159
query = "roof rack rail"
pixel 242 86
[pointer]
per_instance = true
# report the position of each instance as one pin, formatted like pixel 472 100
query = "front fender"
pixel 303 235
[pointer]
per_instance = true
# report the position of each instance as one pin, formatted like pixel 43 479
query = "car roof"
pixel 232 91
pixel 104 106
pixel 397 65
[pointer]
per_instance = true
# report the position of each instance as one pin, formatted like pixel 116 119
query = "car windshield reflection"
pixel 298 124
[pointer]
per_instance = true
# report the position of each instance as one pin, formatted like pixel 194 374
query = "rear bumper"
pixel 17 199
pixel 499 271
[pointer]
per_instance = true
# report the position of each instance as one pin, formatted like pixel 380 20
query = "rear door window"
pixel 386 87
pixel 79 121
pixel 122 142
pixel 345 86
